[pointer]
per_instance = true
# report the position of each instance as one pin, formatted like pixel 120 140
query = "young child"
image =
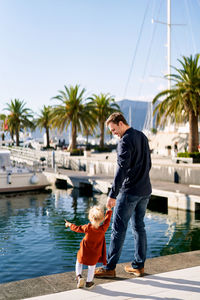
pixel 93 245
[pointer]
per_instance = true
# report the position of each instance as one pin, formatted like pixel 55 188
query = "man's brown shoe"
pixel 136 272
pixel 103 273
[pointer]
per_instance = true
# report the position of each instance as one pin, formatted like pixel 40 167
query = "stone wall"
pixel 171 171
pixel 178 173
pixel 186 174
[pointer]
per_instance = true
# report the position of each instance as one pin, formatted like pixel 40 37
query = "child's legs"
pixel 79 268
pixel 90 274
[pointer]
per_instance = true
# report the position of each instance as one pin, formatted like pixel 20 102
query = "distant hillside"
pixel 138 112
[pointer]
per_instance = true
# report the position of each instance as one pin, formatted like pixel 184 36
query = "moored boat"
pixel 19 178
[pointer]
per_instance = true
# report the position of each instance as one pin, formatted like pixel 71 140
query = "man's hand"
pixel 111 202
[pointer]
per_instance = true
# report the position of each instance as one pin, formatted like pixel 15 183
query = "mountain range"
pixel 135 112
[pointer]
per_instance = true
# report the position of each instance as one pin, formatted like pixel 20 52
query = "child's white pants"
pixel 90 274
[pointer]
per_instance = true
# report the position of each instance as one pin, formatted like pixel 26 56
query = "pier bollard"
pixel 42 159
pixel 53 160
pixel 92 169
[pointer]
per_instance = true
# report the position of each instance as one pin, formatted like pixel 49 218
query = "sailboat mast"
pixel 169 41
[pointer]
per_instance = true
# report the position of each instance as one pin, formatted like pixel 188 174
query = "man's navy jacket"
pixel 133 165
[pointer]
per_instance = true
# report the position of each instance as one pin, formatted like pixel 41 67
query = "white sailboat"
pixel 19 178
pixel 148 124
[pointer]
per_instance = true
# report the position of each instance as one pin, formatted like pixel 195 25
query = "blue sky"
pixel 46 44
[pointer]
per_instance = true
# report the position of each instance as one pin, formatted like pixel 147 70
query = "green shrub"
pixel 76 152
pixel 88 147
pixel 102 149
pixel 189 154
pixel 47 148
pixel 154 130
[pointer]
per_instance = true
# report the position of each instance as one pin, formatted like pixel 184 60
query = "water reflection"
pixel 186 235
pixel 34 241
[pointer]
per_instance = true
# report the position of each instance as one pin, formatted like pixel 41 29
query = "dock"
pixel 179 183
pixel 179 196
pixel 174 276
pixel 171 277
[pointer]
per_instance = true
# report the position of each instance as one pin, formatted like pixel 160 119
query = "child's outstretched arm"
pixel 107 219
pixel 73 227
pixel 67 224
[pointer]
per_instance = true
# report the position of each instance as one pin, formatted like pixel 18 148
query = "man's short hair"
pixel 116 117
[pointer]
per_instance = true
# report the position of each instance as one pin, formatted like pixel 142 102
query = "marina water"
pixel 34 241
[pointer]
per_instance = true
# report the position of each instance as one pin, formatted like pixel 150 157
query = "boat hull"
pixel 10 183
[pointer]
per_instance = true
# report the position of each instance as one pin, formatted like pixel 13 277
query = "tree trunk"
pixel 3 139
pixel 12 136
pixel 73 144
pixel 17 137
pixel 102 134
pixel 193 133
pixel 47 133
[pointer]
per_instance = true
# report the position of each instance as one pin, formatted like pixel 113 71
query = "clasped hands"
pixel 111 202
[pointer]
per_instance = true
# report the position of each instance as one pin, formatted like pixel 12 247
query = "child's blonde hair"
pixel 96 215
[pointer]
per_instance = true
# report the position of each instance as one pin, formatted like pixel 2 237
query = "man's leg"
pixel 121 216
pixel 122 213
pixel 139 233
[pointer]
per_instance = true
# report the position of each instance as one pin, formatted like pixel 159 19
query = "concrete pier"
pixel 179 196
pixel 163 168
pixel 77 179
pixel 179 183
pixel 63 286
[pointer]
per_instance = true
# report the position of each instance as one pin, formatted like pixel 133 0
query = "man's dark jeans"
pixel 128 207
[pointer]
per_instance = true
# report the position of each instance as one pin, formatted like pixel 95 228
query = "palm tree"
pixel 19 117
pixel 182 102
pixel 44 121
pixel 72 110
pixel 3 119
pixel 103 105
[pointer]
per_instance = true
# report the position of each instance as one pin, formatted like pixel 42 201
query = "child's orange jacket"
pixel 93 245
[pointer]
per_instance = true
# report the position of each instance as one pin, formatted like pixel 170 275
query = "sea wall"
pixel 162 169
pixel 178 173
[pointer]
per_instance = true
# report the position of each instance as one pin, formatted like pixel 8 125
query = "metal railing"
pixel 50 159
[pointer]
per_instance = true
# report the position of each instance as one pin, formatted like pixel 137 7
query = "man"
pixel 130 193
